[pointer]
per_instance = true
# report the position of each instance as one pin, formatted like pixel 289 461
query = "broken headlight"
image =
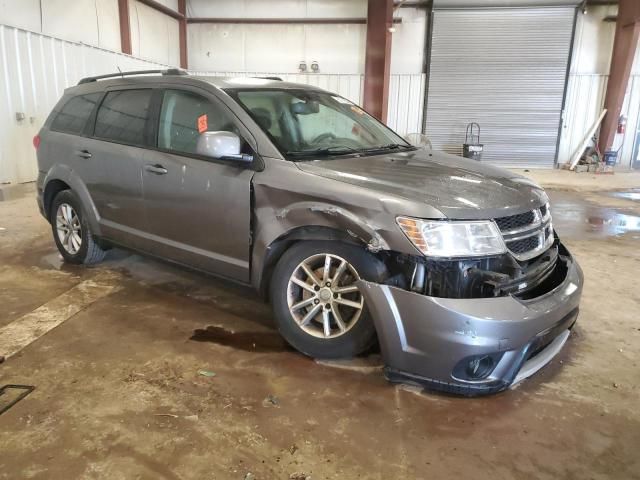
pixel 436 238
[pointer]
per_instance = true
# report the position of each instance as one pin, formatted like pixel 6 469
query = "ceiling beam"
pixel 280 21
pixel 161 8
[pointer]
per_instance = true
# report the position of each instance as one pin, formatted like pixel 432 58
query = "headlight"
pixel 436 238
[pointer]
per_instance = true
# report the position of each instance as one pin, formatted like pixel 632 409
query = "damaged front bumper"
pixel 471 346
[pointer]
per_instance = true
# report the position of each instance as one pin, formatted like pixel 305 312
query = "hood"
pixel 458 187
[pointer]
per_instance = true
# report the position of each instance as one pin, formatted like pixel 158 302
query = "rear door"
pixel 121 134
pixel 198 209
pixel 63 143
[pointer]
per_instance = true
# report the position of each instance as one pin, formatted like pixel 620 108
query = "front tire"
pixel 71 230
pixel 317 306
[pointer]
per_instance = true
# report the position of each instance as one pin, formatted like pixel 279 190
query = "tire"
pixel 356 333
pixel 88 252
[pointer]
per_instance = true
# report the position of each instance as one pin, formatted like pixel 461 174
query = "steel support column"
pixel 125 26
pixel 624 48
pixel 378 57
pixel 182 26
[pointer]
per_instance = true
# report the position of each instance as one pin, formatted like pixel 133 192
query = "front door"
pixel 198 210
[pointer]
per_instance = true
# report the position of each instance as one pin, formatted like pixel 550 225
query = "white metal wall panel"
pixel 506 70
pixel 154 35
pixel 262 47
pixel 34 71
pixel 277 8
pixel 406 102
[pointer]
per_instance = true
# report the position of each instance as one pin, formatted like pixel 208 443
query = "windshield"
pixel 308 125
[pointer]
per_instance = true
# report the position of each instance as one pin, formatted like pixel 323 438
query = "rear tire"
pixel 71 230
pixel 318 320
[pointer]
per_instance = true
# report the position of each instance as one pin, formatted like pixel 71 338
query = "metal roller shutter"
pixel 504 68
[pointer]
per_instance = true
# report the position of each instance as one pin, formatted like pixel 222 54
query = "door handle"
pixel 157 169
pixel 84 154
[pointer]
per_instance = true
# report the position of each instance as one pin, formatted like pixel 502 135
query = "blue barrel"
pixel 610 158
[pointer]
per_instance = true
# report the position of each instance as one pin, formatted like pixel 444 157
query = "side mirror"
pixel 222 146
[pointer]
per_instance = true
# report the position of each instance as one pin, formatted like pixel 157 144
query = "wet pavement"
pixel 575 217
pixel 118 393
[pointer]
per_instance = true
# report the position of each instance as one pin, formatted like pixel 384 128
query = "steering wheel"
pixel 322 137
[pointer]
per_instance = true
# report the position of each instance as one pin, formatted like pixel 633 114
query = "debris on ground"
pixel 299 476
pixel 206 373
pixel 249 476
pixel 293 449
pixel 133 376
pixel 165 415
pixel 270 400
pixel 193 418
pixel 615 385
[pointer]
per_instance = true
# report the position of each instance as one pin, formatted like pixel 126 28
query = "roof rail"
pixel 170 71
pixel 278 79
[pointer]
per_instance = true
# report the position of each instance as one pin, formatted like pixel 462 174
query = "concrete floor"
pixel 119 394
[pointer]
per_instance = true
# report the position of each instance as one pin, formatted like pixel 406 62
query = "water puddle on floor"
pixel 247 341
pixel 633 195
pixel 575 218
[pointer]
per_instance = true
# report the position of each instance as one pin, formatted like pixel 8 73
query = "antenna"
pixel 121 74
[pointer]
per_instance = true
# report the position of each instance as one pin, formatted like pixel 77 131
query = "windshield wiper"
pixel 324 151
pixel 389 146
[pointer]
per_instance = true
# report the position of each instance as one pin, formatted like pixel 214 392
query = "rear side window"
pixel 123 115
pixel 74 114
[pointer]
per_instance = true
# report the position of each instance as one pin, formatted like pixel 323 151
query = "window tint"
pixel 185 116
pixel 74 114
pixel 122 116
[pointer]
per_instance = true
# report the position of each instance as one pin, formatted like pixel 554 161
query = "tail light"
pixel 36 141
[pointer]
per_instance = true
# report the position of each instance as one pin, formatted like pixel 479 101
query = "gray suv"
pixel 353 235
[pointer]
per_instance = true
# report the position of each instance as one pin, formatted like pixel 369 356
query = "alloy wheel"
pixel 323 297
pixel 68 228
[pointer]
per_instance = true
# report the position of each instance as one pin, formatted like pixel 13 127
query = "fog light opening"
pixel 479 367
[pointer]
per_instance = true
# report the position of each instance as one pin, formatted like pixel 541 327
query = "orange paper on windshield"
pixel 203 124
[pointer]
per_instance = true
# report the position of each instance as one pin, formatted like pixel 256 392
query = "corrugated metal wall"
pixel 34 71
pixel 585 100
pixel 506 70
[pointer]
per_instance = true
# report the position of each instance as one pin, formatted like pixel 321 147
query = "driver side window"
pixel 186 115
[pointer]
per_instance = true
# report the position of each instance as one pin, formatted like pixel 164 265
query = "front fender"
pixel 287 199
pixel 68 176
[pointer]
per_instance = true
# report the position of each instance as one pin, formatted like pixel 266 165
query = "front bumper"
pixel 424 340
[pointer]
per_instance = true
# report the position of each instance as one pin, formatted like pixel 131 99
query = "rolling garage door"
pixel 504 68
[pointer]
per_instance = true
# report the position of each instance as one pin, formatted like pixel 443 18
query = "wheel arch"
pixel 60 178
pixel 274 251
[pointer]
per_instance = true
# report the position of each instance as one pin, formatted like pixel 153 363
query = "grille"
pixel 515 221
pixel 522 246
pixel 527 234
